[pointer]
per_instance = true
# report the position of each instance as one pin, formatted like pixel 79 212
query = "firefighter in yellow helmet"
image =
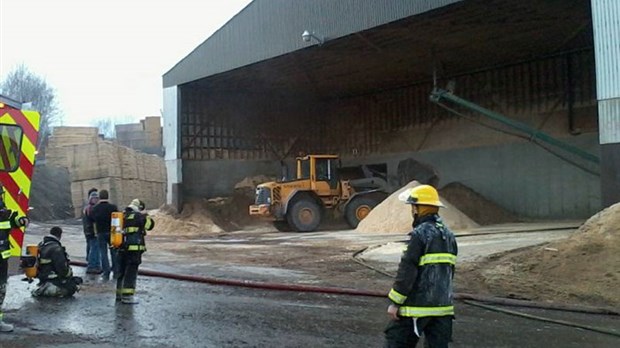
pixel 422 292
pixel 136 223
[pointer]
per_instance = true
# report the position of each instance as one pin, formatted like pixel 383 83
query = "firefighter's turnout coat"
pixel 130 253
pixel 8 220
pixel 423 285
pixel 53 261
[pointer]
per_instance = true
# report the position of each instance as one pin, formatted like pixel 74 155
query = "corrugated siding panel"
pixel 609 120
pixel 270 28
pixel 606 25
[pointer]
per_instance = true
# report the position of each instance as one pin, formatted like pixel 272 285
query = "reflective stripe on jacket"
pixel 8 220
pixel 135 227
pixel 423 284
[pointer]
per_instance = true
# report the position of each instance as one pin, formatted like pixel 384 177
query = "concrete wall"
pixel 218 178
pixel 519 176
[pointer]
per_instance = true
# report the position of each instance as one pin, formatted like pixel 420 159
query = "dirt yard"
pixel 582 269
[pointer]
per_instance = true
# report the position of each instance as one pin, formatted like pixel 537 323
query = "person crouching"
pixel 55 274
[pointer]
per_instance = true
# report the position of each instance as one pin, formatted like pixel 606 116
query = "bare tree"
pixel 106 127
pixel 23 85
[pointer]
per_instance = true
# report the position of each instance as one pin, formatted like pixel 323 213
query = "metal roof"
pixel 269 28
pixel 450 40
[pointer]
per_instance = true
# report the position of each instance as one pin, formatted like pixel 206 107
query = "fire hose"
pixel 469 299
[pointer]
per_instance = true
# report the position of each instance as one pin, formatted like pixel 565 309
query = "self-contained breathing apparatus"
pixel 29 263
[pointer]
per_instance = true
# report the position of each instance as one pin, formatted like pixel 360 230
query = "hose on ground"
pixel 466 298
pixel 544 319
pixel 253 284
pixel 358 292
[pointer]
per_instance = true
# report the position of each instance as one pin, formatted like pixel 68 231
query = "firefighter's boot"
pixel 4 327
pixel 129 300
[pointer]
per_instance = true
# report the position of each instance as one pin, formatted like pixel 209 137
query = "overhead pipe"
pixel 438 95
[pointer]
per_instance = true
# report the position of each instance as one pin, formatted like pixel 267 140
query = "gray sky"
pixel 106 58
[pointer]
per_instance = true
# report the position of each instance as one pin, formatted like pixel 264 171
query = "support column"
pixel 172 145
pixel 606 25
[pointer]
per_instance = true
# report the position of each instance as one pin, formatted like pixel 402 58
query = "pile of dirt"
pixel 251 182
pixel 476 206
pixel 393 216
pixel 194 219
pixel 50 194
pixel 232 213
pixel 584 268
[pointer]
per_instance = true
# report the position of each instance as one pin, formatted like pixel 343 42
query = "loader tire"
pixel 304 215
pixel 358 209
pixel 282 226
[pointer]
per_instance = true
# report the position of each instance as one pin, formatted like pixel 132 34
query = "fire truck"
pixel 19 132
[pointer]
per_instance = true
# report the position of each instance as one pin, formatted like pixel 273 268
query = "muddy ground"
pixel 176 313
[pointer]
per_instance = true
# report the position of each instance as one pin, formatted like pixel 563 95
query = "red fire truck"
pixel 19 131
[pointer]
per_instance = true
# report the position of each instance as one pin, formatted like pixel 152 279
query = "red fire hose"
pixel 466 298
pixel 253 284
pixel 358 292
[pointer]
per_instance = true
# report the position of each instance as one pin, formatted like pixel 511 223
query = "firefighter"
pixel 8 220
pixel 421 296
pixel 136 223
pixel 55 274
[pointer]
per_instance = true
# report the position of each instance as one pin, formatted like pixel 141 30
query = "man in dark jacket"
pixel 422 292
pixel 93 256
pixel 55 274
pixel 8 219
pixel 102 216
pixel 136 223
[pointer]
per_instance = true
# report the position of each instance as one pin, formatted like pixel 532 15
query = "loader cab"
pixel 321 170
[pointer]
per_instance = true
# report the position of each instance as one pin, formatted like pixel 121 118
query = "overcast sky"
pixel 106 59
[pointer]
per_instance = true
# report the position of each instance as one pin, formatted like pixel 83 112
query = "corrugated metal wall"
pixel 606 25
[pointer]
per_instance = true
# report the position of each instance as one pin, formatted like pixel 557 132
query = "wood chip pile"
pixel 394 216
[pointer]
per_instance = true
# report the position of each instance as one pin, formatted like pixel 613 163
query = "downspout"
pixel 439 95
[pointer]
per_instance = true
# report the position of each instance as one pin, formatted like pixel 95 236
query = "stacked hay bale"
pixel 94 162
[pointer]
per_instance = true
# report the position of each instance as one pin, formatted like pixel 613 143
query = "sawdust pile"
pixel 251 182
pixel 584 268
pixel 474 205
pixel 194 219
pixel 393 216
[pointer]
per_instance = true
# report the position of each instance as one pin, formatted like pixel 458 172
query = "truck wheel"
pixel 304 215
pixel 358 209
pixel 282 226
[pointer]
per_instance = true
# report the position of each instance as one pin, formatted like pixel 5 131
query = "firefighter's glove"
pixel 23 221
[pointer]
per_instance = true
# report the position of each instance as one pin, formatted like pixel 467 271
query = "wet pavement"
pixel 185 314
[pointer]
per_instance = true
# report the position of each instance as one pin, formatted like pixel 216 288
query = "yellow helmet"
pixel 423 195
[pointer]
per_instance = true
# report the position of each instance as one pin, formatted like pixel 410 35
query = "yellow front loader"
pixel 301 203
